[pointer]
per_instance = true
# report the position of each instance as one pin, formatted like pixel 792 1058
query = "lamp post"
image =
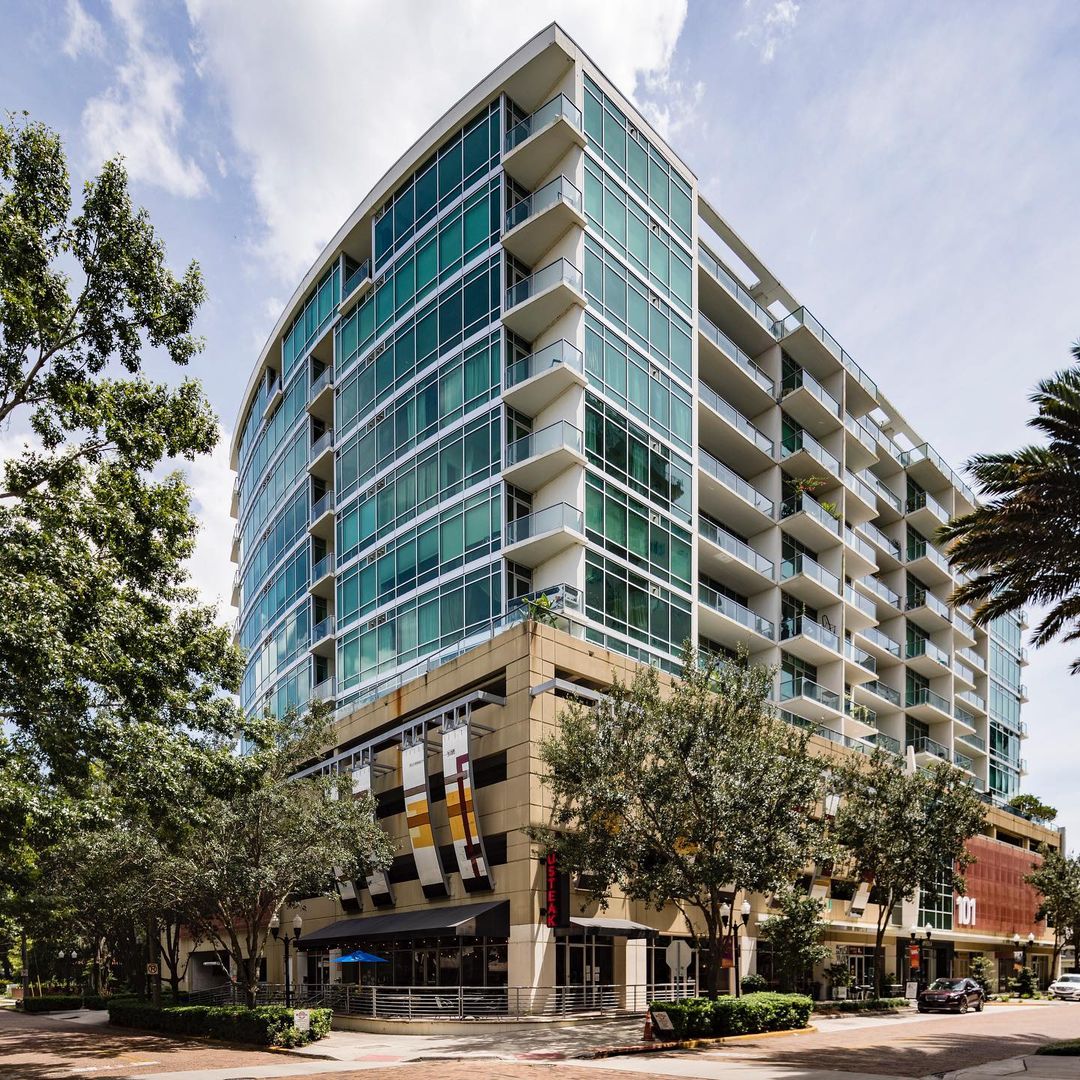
pixel 275 929
pixel 61 956
pixel 74 957
pixel 726 919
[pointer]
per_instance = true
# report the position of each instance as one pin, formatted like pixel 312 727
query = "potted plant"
pixel 839 976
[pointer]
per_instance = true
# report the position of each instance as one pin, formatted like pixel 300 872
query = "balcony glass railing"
pixel 323 567
pixel 861 432
pixel 963 716
pixel 962 760
pixel 886 742
pixel 323 443
pixel 923 695
pixel 543 198
pixel 972 699
pixel 882 641
pixel 863 547
pixel 857 600
pixel 325 691
pixel 860 487
pixel 918 598
pixel 972 657
pixel 863 713
pixel 559 354
pixel 803 687
pixel 963 671
pixel 963 625
pixel 734 610
pixel 925 647
pixel 804 564
pixel 884 542
pixel 802 317
pixel 735 418
pixel 888 495
pixel 807 504
pixel 925 452
pixel 804 626
pixel 561 271
pixel 883 690
pixel 559 107
pixel 735 547
pixel 925 745
pixel 551 518
pixel 322 506
pixel 803 440
pixel 880 589
pixel 730 282
pixel 361 273
pixel 803 380
pixel 976 741
pixel 860 656
pixel 920 549
pixel 321 630
pixel 734 353
pixel 734 482
pixel 920 500
pixel 562 434
pixel 321 381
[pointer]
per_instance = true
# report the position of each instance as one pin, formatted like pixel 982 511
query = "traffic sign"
pixel 151 969
pixel 678 956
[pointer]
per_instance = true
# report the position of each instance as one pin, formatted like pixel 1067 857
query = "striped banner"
pixel 414 776
pixel 378 882
pixel 460 808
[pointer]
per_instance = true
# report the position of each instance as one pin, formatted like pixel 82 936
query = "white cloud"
pixel 672 105
pixel 84 33
pixel 141 115
pixel 322 101
pixel 766 31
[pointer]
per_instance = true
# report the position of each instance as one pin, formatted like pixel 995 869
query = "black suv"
pixel 952 995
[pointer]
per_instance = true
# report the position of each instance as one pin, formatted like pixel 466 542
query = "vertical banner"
pixel 460 808
pixel 414 777
pixel 378 882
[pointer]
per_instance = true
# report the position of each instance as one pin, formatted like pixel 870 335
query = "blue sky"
pixel 908 170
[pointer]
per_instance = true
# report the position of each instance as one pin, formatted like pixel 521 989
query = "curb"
pixel 685 1044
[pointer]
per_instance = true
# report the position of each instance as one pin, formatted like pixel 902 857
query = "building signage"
pixel 914 953
pixel 556 894
pixel 965 910
pixel 461 810
pixel 378 882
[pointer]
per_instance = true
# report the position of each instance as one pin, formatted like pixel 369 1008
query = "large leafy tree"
pixel 902 830
pixel 273 839
pixel 682 794
pixel 796 934
pixel 99 629
pixel 1056 878
pixel 1022 545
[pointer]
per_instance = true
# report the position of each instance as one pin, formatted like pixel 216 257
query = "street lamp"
pixel 61 956
pixel 275 929
pixel 725 918
pixel 74 957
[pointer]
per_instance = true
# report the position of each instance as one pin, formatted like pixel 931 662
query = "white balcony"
pixel 804 398
pixel 809 640
pixel 322 576
pixel 538 143
pixel 727 496
pixel 536 224
pixel 537 380
pixel 532 305
pixel 321 522
pixel 723 555
pixel 808 580
pixel 731 623
pixel 542 455
pixel 539 536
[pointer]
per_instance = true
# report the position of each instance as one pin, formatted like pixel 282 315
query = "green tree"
pixel 1021 546
pixel 796 935
pixel 1033 807
pixel 99 629
pixel 982 970
pixel 901 830
pixel 682 795
pixel 1056 878
pixel 276 838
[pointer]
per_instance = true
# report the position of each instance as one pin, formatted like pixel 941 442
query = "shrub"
pixel 754 983
pixel 51 1003
pixel 695 1018
pixel 1023 983
pixel 265 1025
pixel 1066 1048
pixel 981 969
pixel 866 1005
pixel 95 1001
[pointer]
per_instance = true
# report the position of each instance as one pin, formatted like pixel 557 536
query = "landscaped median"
pixel 265 1025
pixel 723 1017
pixel 862 1005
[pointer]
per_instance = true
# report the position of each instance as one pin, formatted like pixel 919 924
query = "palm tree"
pixel 1022 545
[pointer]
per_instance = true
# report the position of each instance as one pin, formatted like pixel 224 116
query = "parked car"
pixel 1066 987
pixel 951 995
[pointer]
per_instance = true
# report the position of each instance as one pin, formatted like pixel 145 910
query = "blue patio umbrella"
pixel 360 957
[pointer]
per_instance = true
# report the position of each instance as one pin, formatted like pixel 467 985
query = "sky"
pixel 909 171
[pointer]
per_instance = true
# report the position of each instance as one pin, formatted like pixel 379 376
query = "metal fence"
pixel 459 1002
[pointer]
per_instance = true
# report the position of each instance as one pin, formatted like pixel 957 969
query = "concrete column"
pixel 531 961
pixel 634 976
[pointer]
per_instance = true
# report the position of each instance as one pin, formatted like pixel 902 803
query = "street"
pixel 49 1048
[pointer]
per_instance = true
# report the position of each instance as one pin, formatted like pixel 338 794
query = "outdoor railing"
pixel 560 434
pixel 926 745
pixel 880 589
pixel 804 564
pixel 558 107
pixel 559 190
pixel 559 516
pixel 924 647
pixel 918 598
pixel 860 602
pixel 322 506
pixel 559 354
pixel 361 273
pixel 805 503
pixel 920 500
pixel 735 418
pixel 734 482
pixel 734 353
pixel 807 688
pixel 803 380
pixel 923 695
pixel 561 271
pixel 883 690
pixel 804 626
pixel 882 640
pixel 860 656
pixel 711 598
pixel 861 432
pixel 739 291
pixel 735 547
pixel 802 317
pixel 803 440
pixel 321 381
pixel 883 541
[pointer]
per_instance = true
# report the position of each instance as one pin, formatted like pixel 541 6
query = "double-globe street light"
pixel 725 918
pixel 61 957
pixel 275 929
pixel 928 931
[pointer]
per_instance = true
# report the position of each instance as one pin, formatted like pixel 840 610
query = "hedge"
pixel 265 1025
pixel 1067 1048
pixel 51 1003
pixel 850 1005
pixel 695 1018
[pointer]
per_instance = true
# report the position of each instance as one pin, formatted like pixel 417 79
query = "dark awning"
pixel 609 927
pixel 488 919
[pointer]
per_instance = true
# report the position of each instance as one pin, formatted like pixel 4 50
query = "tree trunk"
pixel 251 981
pixel 879 951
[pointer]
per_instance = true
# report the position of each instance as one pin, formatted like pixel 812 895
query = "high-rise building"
pixel 537 373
